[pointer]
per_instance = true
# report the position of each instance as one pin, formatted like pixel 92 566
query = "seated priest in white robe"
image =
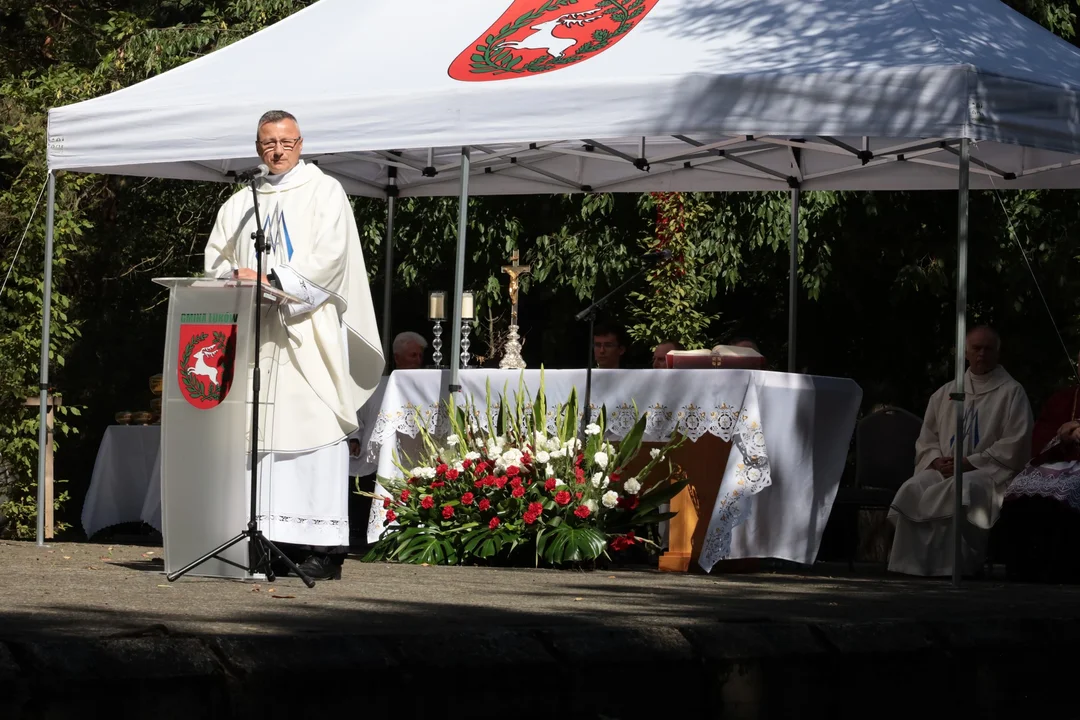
pixel 996 445
pixel 320 357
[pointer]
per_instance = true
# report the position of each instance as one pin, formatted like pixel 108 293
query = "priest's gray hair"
pixel 986 328
pixel 407 338
pixel 273 116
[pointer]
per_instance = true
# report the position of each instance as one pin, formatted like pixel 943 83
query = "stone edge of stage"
pixel 779 667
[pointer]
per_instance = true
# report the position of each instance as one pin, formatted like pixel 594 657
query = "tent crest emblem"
pixel 538 36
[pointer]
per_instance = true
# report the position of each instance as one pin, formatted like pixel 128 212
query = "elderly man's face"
pixel 659 356
pixel 410 358
pixel 982 351
pixel 607 350
pixel 279 145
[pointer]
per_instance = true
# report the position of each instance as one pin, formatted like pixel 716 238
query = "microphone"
pixel 252 174
pixel 657 257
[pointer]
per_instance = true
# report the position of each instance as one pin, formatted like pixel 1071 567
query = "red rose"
pixel 427 502
pixel 629 502
pixel 484 504
pixel 614 477
pixel 448 512
pixel 466 463
pixel 500 482
pixel 513 470
pixel 391 516
pixel 562 497
pixel 516 482
pixel 410 481
pixel 530 517
pixel 579 458
pixel 386 502
pixel 526 459
pixel 437 483
pixel 494 523
pixel 489 480
pixel 577 495
pixel 478 484
pixel 535 507
pixel 441 469
pixel 579 476
pixel 549 484
pixel 582 511
pixel 467 499
pixel 482 466
pixel 405 496
pixel 451 474
pixel 518 492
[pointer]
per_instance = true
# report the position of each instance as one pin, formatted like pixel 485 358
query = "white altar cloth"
pixel 126 471
pixel 790 436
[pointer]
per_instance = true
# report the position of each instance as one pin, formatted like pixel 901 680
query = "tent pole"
pixel 388 284
pixel 961 336
pixel 459 275
pixel 793 281
pixel 43 387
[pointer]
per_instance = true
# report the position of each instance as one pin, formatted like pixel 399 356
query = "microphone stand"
pixel 589 313
pixel 261 552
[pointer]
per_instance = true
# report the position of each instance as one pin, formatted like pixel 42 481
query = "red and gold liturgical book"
pixel 721 356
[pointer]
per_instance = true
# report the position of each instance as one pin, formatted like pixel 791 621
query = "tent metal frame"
pixel 732 154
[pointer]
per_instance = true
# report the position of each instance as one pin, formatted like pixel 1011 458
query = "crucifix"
pixel 512 352
pixel 515 271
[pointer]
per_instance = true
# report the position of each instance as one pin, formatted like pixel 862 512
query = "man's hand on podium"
pixel 248 274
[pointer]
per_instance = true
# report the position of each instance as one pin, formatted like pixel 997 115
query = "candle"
pixel 437 305
pixel 467 310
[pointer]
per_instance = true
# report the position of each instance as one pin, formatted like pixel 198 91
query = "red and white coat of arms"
pixel 538 36
pixel 205 365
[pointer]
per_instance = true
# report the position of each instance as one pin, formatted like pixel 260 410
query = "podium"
pixel 205 419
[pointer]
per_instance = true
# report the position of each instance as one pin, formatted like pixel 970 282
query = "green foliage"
pixel 672 307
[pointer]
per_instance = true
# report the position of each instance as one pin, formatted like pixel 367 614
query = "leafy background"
pixel 876 269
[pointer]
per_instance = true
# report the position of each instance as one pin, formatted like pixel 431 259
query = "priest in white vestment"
pixel 320 358
pixel 996 445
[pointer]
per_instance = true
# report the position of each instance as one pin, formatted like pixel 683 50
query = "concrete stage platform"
pixel 87 629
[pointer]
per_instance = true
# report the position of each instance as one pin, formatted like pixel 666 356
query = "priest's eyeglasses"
pixel 286 143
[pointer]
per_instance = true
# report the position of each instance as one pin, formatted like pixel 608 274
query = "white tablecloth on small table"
pixel 789 433
pixel 126 472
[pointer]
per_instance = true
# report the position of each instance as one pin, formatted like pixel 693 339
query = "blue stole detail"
pixel 288 240
pixel 273 240
pixel 971 427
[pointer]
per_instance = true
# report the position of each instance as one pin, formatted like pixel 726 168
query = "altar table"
pixel 125 484
pixel 789 438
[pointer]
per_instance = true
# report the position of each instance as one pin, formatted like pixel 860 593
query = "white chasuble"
pixel 997 442
pixel 320 357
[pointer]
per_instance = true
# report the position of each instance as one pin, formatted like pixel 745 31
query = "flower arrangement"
pixel 514 487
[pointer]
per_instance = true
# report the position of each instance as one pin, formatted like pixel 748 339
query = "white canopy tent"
pixel 434 98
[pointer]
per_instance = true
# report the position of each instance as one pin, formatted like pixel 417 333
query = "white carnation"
pixel 452 440
pixel 553 444
pixel 597 478
pixel 417 472
pixel 474 456
pixel 549 471
pixel 555 454
pixel 592 429
pixel 459 466
pixel 654 453
pixel 542 457
pixel 610 499
pixel 632 486
pixel 591 504
pixel 601 459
